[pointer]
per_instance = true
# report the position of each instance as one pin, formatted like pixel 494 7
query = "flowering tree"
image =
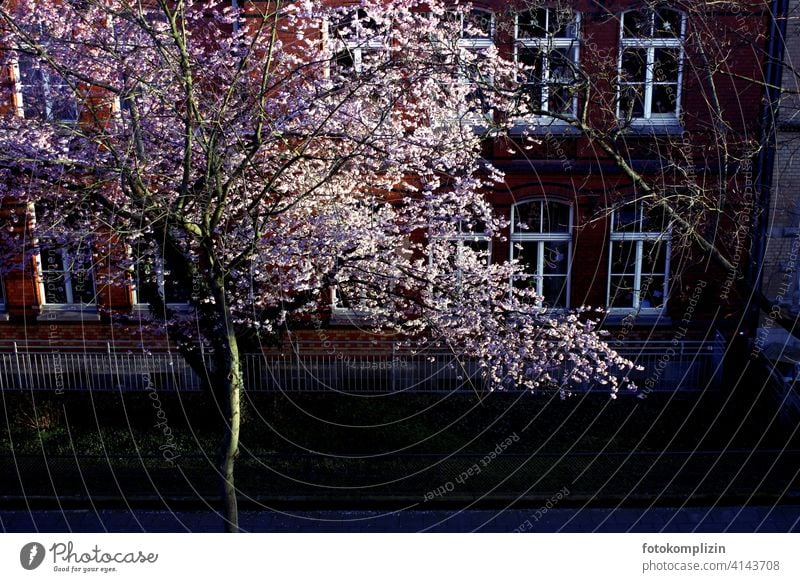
pixel 262 161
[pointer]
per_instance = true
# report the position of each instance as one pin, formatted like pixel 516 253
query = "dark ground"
pixel 419 459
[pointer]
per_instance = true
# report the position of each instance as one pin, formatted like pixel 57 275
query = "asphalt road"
pixel 695 519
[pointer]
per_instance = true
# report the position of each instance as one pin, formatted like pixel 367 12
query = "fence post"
pixel 393 370
pixel 20 375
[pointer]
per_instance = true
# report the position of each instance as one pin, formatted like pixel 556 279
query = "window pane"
pixel 665 67
pixel 344 61
pixel 527 253
pixel 63 105
pixel 528 217
pixel 532 23
pixel 480 21
pixel 636 24
pixel 627 218
pixel 668 24
pixel 146 280
pixel 563 24
pixel 653 292
pixel 531 77
pixel 623 257
pixel 631 102
pixel 530 282
pixel 343 297
pixel 556 258
pixel 34 102
pixel 556 218
pixel 665 99
pixel 654 257
pixel 561 65
pixel 344 27
pixel 634 61
pixel 67 274
pixel 45 95
pixel 561 77
pixel 654 221
pixel 174 292
pixel 560 100
pixel 53 276
pixel 479 247
pixel 82 285
pixel 621 292
pixel 554 290
pixel 531 58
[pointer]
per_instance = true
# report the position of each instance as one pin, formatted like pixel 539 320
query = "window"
pixel 468 35
pixel 42 93
pixel 152 281
pixel 650 65
pixel 348 298
pixel 476 28
pixel 464 246
pixel 2 295
pixel 541 240
pixel 476 36
pixel 639 260
pixel 351 298
pixel 66 277
pixel 546 47
pixel 356 42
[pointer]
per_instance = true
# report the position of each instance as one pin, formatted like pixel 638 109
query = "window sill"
pixel 67 313
pixel 633 317
pixel 344 317
pixel 478 123
pixel 145 310
pixel 540 126
pixel 4 316
pixel 653 127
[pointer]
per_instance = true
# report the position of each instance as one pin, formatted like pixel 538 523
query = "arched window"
pixel 541 240
pixel 650 65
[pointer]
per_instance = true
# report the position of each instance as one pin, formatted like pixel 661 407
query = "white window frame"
pixel 547 44
pixel 458 240
pixel 479 42
pixel 66 273
pixel 19 92
pixel 476 45
pixel 356 46
pixel 340 310
pixel 541 238
pixel 638 237
pixel 650 44
pixel 464 44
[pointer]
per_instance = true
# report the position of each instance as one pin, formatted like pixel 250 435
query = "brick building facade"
pixel 781 226
pixel 653 98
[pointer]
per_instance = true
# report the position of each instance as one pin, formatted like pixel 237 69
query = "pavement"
pixel 773 519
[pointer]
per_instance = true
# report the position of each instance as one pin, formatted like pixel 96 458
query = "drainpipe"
pixel 773 74
pixel 235 6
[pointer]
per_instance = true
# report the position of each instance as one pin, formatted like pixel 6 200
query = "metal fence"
pixel 668 366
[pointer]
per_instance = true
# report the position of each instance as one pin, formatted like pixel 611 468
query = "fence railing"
pixel 668 366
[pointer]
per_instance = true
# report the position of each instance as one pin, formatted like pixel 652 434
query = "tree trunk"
pixel 234 384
